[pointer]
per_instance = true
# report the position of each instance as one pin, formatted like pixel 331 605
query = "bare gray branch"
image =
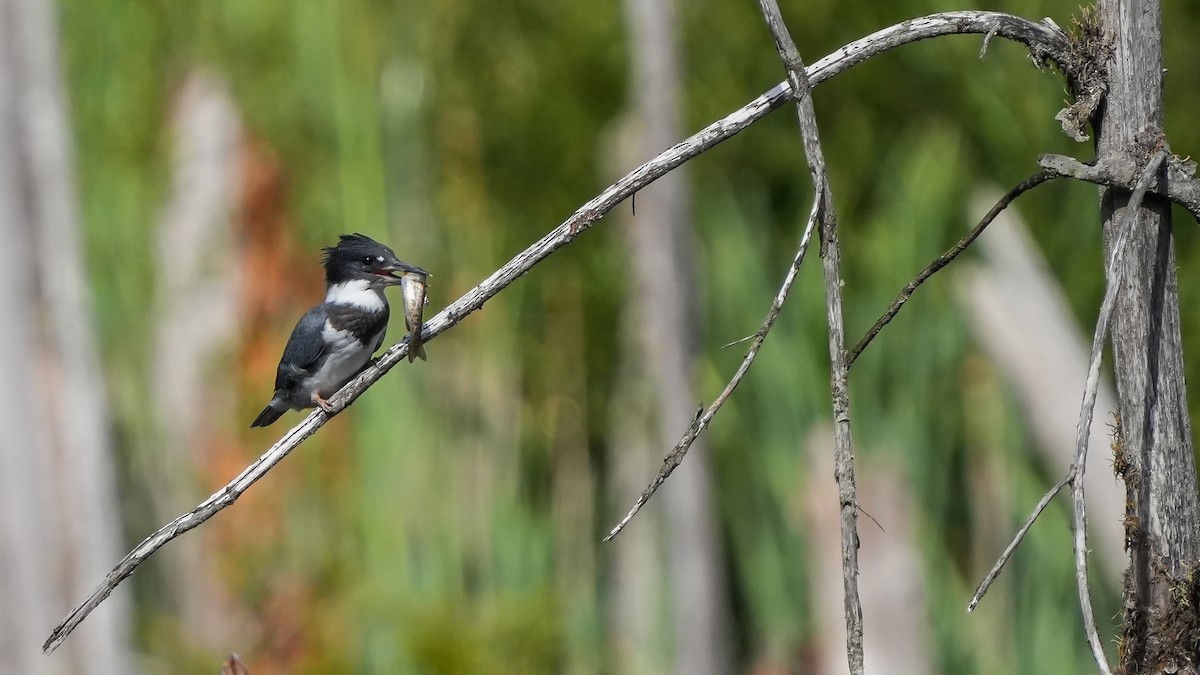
pixel 1079 524
pixel 1075 474
pixel 1045 42
pixel 945 259
pixel 1042 39
pixel 703 417
pixel 1118 172
pixel 843 451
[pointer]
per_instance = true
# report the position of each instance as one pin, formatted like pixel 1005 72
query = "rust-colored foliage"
pixel 277 276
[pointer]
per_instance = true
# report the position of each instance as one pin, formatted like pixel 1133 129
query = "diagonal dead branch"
pixel 1020 536
pixel 945 259
pixel 675 457
pixel 1045 42
pixel 564 234
pixel 839 367
pixel 1075 474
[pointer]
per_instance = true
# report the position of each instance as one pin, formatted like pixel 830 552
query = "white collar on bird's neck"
pixel 356 293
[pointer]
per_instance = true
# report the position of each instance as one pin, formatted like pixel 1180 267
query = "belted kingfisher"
pixel 334 340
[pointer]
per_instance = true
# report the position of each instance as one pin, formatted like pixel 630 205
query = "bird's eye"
pixel 368 260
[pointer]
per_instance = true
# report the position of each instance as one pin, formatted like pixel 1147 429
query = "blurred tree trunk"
pixel 664 300
pixel 1155 432
pixel 195 322
pixel 58 516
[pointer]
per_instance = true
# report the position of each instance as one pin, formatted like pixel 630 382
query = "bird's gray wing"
pixel 304 349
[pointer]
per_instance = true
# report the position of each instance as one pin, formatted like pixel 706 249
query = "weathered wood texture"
pixel 831 253
pixel 1044 41
pixel 1155 433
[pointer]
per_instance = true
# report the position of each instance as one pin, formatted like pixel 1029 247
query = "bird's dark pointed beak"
pixel 411 269
pixel 395 271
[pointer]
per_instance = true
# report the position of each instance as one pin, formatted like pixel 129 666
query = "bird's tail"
pixel 272 412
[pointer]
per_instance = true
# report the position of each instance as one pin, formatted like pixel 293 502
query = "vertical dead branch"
pixel 1155 431
pixel 893 584
pixel 1075 474
pixel 1045 41
pixel 831 252
pixel 843 470
pixel 1078 468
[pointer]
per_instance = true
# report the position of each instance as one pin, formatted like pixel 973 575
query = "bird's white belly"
pixel 346 357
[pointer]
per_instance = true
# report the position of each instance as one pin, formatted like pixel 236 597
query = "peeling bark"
pixel 1155 438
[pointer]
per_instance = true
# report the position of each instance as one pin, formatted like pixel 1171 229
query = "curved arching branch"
pixel 1046 43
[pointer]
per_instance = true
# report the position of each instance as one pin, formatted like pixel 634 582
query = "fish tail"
pixel 416 351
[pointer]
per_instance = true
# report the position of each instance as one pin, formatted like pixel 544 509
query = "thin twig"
pixel 839 367
pixel 739 341
pixel 1016 541
pixel 987 41
pixel 945 258
pixel 675 457
pixel 1041 505
pixel 872 518
pixel 1075 474
pixel 1082 433
pixel 1045 42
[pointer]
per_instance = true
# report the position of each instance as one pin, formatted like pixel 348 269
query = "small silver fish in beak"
pixel 412 285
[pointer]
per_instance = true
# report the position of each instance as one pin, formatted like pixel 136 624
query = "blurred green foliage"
pixel 458 529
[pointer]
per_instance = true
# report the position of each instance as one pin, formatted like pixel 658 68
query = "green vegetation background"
pixel 446 524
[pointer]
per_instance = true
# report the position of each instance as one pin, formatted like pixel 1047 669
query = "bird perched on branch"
pixel 334 340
